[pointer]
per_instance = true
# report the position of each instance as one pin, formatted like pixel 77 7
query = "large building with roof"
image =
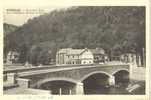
pixel 74 56
pixel 80 56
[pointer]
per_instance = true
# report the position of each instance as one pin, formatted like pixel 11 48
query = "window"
pixel 15 56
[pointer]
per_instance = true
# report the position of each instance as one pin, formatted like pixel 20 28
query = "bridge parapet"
pixel 75 75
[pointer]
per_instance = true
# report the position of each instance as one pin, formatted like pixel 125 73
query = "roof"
pixel 64 50
pixel 75 51
pixel 128 54
pixel 98 51
pixel 13 53
pixel 70 51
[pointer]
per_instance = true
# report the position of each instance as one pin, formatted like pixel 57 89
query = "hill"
pixel 8 28
pixel 116 29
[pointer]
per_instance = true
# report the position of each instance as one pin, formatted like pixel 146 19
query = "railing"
pixel 22 69
pixel 43 67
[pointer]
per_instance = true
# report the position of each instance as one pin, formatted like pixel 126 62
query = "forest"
pixel 116 29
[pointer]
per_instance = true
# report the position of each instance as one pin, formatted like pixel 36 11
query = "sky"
pixel 16 12
pixel 47 6
pixel 19 16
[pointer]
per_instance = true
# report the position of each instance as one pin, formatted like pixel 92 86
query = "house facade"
pixel 131 58
pixel 128 58
pixel 12 57
pixel 99 55
pixel 74 56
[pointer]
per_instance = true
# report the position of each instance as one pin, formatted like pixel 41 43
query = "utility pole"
pixel 60 90
pixel 70 92
pixel 144 59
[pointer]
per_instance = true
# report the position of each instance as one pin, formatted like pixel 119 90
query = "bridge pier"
pixel 79 88
pixel 23 83
pixel 11 78
pixel 111 80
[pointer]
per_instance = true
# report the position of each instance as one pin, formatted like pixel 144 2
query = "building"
pixel 128 58
pixel 99 55
pixel 12 57
pixel 74 56
pixel 133 58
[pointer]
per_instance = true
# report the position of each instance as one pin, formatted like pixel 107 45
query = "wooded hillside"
pixel 116 29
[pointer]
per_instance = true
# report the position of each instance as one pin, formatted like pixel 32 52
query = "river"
pixel 94 89
pixel 118 89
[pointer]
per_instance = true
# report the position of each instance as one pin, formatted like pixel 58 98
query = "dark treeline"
pixel 8 29
pixel 116 29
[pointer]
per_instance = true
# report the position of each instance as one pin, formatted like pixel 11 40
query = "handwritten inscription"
pixel 30 97
pixel 25 11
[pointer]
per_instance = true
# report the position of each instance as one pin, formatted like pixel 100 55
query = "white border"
pixel 47 3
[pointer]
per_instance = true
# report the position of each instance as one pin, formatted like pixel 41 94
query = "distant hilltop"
pixel 9 28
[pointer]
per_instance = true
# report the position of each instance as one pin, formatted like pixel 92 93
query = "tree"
pixel 116 29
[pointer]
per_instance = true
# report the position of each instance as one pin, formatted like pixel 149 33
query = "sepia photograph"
pixel 74 50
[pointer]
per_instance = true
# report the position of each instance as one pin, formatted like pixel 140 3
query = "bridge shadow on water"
pixel 99 84
pixel 59 87
pixel 91 88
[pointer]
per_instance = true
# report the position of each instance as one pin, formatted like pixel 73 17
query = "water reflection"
pixel 117 89
pixel 106 90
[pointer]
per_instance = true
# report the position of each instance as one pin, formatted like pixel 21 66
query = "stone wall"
pixel 138 73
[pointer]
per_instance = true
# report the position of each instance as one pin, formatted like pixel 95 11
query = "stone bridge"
pixel 72 74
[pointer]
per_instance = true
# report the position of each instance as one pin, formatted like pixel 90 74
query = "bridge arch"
pixel 67 85
pixel 92 73
pixel 93 80
pixel 121 69
pixel 56 79
pixel 121 76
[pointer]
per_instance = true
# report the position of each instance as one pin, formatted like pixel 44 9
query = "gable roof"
pixel 65 50
pixel 98 51
pixel 70 51
pixel 75 51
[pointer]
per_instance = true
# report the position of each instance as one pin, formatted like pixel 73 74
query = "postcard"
pixel 72 49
